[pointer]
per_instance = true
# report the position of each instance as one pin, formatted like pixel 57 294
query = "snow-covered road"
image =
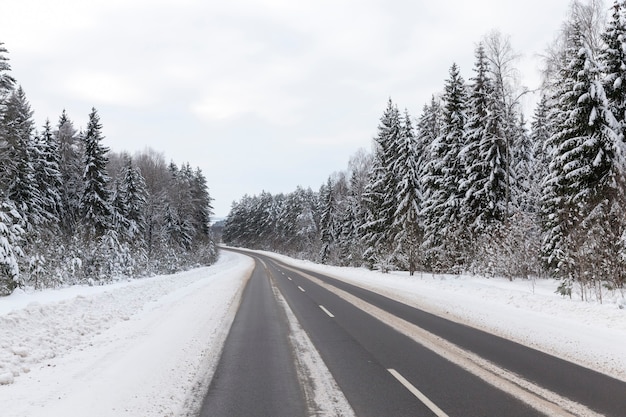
pixel 148 347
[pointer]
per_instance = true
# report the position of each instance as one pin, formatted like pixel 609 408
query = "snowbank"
pixel 588 333
pixel 139 348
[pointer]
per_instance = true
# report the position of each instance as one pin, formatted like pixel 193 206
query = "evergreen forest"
pixel 473 184
pixel 72 211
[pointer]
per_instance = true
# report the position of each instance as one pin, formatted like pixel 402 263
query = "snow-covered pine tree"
pixel 406 219
pixel 484 156
pixel 612 58
pixel 7 82
pixel 130 202
pixel 379 197
pixel 19 176
pixel 443 239
pixel 428 129
pixel 95 201
pixel 307 223
pixel 327 220
pixel 521 169
pixel 350 238
pixel 48 175
pixel 202 202
pixel 539 135
pixel 178 228
pixel 71 166
pixel 582 172
pixel 610 227
pixel 10 237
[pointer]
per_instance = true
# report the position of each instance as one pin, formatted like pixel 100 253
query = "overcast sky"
pixel 260 94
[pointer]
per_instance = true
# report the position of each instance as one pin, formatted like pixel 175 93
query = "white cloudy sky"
pixel 260 94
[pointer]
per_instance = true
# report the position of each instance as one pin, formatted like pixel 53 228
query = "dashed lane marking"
pixel 325 310
pixel 424 399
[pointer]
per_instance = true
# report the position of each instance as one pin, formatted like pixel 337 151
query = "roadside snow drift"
pixel 141 348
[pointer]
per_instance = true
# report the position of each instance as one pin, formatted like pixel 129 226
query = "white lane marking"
pixel 428 403
pixel 301 289
pixel 325 310
pixel 289 278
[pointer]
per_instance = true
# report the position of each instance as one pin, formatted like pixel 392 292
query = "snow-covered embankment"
pixel 138 348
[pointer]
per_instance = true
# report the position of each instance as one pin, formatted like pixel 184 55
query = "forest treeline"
pixel 470 185
pixel 72 212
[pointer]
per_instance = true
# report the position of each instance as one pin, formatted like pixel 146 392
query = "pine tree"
pixel 71 153
pixel 484 185
pixel 521 170
pixel 19 173
pixel 428 129
pixel 540 133
pixel 130 202
pixel 7 82
pixel 95 201
pixel 10 237
pixel 202 204
pixel 613 61
pixel 406 219
pixel 445 172
pixel 48 174
pixel 583 170
pixel 327 221
pixel 379 196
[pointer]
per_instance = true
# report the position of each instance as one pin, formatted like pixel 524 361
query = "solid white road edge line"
pixel 541 399
pixel 325 310
pixel 301 289
pixel 428 403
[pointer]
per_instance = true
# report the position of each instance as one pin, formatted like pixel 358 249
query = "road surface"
pixel 388 359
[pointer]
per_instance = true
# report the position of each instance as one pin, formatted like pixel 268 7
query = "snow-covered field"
pixel 148 347
pixel 138 348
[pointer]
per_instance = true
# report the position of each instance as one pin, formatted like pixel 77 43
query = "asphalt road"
pixel 381 371
pixel 256 375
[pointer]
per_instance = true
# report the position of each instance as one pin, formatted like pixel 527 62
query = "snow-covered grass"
pixel 588 333
pixel 138 348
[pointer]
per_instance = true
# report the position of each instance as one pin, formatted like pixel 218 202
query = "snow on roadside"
pixel 134 348
pixel 591 334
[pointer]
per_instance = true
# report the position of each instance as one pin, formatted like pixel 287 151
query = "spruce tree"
pixel 539 135
pixel 48 174
pixel 613 62
pixel 484 184
pixel 11 234
pixel 7 82
pixel 71 166
pixel 379 197
pixel 19 173
pixel 203 208
pixel 444 241
pixel 130 201
pixel 583 172
pixel 95 201
pixel 327 220
pixel 406 218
